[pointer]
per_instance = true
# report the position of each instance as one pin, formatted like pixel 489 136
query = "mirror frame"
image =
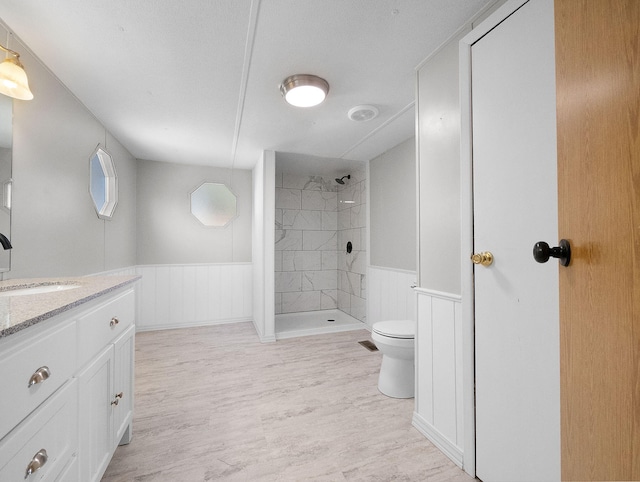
pixel 108 172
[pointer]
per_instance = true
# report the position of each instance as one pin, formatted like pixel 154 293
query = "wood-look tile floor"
pixel 214 403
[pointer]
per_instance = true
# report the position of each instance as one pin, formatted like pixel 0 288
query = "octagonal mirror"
pixel 103 183
pixel 213 204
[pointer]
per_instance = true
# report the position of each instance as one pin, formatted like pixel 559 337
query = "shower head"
pixel 341 180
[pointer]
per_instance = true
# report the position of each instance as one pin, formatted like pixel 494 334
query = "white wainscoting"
pixel 390 295
pixel 439 409
pixel 179 296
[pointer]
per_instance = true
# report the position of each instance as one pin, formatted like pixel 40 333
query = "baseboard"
pixel 195 324
pixel 261 336
pixel 429 431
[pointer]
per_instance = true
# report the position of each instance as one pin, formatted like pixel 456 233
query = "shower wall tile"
pixel 288 198
pixel 328 299
pixel 313 225
pixel 358 175
pixel 358 216
pixel 319 240
pixel 358 308
pixel 329 259
pixel 329 220
pixel 301 219
pixel 352 235
pixel 351 283
pixel 344 301
pixel 319 200
pixel 355 262
pixel 301 260
pixel 344 219
pixel 301 301
pixel 288 281
pixel 288 239
pixel 349 197
pixel 319 280
pixel 308 183
pixel 278 303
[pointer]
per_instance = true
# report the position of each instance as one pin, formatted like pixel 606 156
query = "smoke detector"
pixel 363 113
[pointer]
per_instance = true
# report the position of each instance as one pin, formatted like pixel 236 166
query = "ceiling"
pixel 196 81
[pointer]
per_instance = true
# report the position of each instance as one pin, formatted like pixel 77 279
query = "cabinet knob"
pixel 119 395
pixel 40 375
pixel 114 321
pixel 38 460
pixel 115 402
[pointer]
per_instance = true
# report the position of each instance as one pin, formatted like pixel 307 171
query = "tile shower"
pixel 315 218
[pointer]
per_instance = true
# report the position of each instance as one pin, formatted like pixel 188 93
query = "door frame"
pixel 466 227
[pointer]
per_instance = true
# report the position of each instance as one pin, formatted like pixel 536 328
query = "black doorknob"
pixel 542 252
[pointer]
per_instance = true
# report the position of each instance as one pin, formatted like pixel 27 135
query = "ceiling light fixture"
pixel 304 90
pixel 13 78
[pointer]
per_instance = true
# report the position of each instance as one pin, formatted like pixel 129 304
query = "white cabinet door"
pixel 45 443
pixel 96 420
pixel 123 385
pixel 515 205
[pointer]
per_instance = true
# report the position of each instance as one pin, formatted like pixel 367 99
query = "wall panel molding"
pixel 180 296
pixel 390 294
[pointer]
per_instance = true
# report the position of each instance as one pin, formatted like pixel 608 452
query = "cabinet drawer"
pixel 99 327
pixel 52 428
pixel 34 369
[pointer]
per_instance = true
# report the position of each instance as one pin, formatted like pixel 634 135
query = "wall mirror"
pixel 213 204
pixel 103 183
pixel 6 146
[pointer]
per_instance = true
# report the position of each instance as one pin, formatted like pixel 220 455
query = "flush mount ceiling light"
pixel 363 113
pixel 13 78
pixel 304 90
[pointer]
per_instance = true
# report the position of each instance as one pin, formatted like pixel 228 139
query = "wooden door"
pixel 598 119
pixel 514 206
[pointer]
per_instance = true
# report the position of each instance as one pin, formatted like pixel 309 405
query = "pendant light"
pixel 13 78
pixel 304 90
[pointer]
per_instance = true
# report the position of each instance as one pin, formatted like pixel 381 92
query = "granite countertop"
pixel 22 311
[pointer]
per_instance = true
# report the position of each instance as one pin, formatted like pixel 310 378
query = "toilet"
pixel 395 340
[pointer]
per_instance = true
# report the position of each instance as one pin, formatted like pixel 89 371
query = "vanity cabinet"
pixel 38 427
pixel 106 383
pixel 67 391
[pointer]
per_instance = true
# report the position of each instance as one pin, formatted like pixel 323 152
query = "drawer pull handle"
pixel 40 375
pixel 37 461
pixel 119 395
pixel 115 402
pixel 114 321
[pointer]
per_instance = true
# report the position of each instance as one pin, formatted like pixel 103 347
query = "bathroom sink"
pixel 36 289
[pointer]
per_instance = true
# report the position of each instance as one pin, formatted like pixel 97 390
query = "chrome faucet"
pixel 6 244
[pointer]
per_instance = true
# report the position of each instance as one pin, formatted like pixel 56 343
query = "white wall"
pixel 263 248
pixel 167 232
pixel 439 168
pixel 444 344
pixel 55 230
pixel 393 207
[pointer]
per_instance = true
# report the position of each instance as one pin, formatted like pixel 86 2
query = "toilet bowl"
pixel 395 340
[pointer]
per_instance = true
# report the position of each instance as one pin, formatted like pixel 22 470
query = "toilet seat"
pixel 402 329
